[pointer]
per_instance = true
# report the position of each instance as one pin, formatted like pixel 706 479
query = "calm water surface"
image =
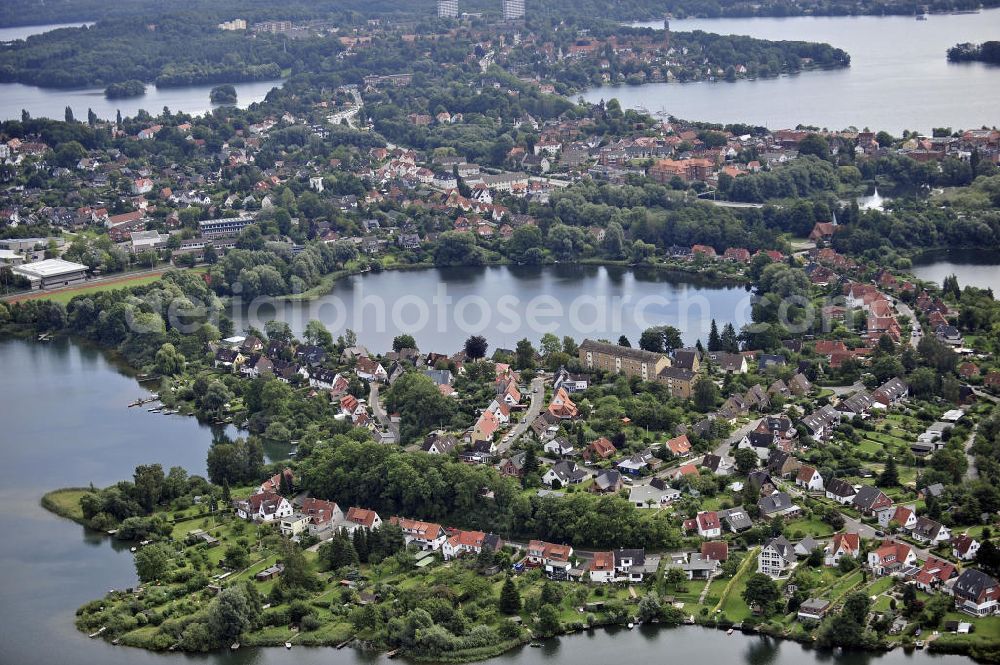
pixel 442 307
pixel 899 77
pixel 25 31
pixel 52 103
pixel 972 267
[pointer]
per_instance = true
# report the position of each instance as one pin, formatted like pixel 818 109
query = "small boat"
pixel 234 646
pixel 729 632
pixel 133 549
pixel 288 645
pixel 535 645
pixel 921 17
pixel 920 644
pixel 631 625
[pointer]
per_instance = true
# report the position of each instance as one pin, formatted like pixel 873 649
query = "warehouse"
pixel 52 273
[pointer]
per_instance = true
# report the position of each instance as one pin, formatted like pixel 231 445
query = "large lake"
pixel 442 307
pixel 899 77
pixel 979 268
pixel 52 102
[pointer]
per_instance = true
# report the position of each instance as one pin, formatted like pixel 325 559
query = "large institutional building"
pixel 51 273
pixel 447 8
pixel 513 10
pixel 622 360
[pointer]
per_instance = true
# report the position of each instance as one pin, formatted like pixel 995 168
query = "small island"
pixel 125 89
pixel 223 94
pixel 988 52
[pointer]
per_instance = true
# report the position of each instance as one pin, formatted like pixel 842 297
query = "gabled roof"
pixel 362 516
pixel 848 543
pixel 784 548
pixel 717 550
pixel 708 520
pixel 839 487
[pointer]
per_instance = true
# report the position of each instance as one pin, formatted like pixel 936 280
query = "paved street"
pixel 537 403
pixel 915 334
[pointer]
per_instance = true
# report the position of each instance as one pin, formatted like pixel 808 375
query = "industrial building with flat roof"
pixel 52 273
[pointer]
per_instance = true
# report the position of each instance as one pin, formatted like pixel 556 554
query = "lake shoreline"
pixel 708 277
pixel 53 501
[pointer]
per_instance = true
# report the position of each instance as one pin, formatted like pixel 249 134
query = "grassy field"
pixel 65 502
pixel 65 295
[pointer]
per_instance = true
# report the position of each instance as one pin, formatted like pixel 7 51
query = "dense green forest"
pixel 986 52
pixel 175 51
pixel 55 11
pixel 737 56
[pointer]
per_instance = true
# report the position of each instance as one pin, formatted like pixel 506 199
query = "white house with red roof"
pixel 461 542
pixel 809 478
pixel 263 507
pixel 904 516
pixel 934 574
pixel 843 544
pixel 679 446
pixel 554 558
pixel 363 518
pixel 709 525
pixel 602 568
pixel 370 370
pixel 890 557
pixel 425 535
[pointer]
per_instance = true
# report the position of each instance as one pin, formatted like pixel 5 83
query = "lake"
pixel 441 307
pixel 65 423
pixel 899 77
pixel 973 267
pixel 25 31
pixel 52 102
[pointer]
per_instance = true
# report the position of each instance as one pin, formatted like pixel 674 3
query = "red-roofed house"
pixel 363 518
pixel 679 446
pixel 273 484
pixel 425 535
pixel 562 406
pixel 263 507
pixel 809 478
pixel 890 557
pixel 462 542
pixel 602 567
pixel 715 550
pixel 709 525
pixel 934 574
pixel 555 558
pixel 844 544
pixel 904 516
pixel 599 449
